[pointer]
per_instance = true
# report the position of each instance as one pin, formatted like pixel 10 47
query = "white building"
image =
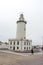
pixel 20 43
pixel 3 45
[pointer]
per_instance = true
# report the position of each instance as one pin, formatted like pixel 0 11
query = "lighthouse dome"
pixel 21 19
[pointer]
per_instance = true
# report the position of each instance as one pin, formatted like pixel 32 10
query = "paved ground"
pixel 37 61
pixel 15 59
pixel 22 54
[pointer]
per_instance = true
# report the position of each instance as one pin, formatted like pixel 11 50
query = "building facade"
pixel 20 43
pixel 3 45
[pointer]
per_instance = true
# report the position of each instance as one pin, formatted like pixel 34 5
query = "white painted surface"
pixel 20 36
pixel 21 30
pixel 21 45
pixel 4 46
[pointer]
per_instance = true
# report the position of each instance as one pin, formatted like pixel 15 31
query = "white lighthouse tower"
pixel 20 44
pixel 21 28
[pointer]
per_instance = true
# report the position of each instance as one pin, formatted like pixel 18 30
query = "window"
pixel 17 42
pixel 24 47
pixel 14 42
pixel 24 43
pixel 17 47
pixel 13 48
pixel 11 42
pixel 10 46
pixel 29 47
pixel 27 43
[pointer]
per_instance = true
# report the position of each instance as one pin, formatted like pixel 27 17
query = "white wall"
pixel 20 30
pixel 3 46
pixel 21 45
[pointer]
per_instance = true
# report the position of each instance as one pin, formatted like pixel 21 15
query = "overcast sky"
pixel 33 14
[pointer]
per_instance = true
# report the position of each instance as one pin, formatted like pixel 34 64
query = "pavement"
pixel 13 58
pixel 22 54
pixel 38 61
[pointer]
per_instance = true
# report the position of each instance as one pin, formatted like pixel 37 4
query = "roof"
pixel 20 40
pixel 21 19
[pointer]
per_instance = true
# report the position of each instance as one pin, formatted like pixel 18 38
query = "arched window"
pixel 14 42
pixel 10 42
pixel 27 43
pixel 24 43
pixel 17 42
pixel 13 48
pixel 29 47
pixel 17 47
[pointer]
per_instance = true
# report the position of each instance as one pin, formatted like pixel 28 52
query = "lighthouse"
pixel 21 28
pixel 20 43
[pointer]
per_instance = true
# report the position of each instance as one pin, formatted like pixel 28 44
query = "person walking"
pixel 32 51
